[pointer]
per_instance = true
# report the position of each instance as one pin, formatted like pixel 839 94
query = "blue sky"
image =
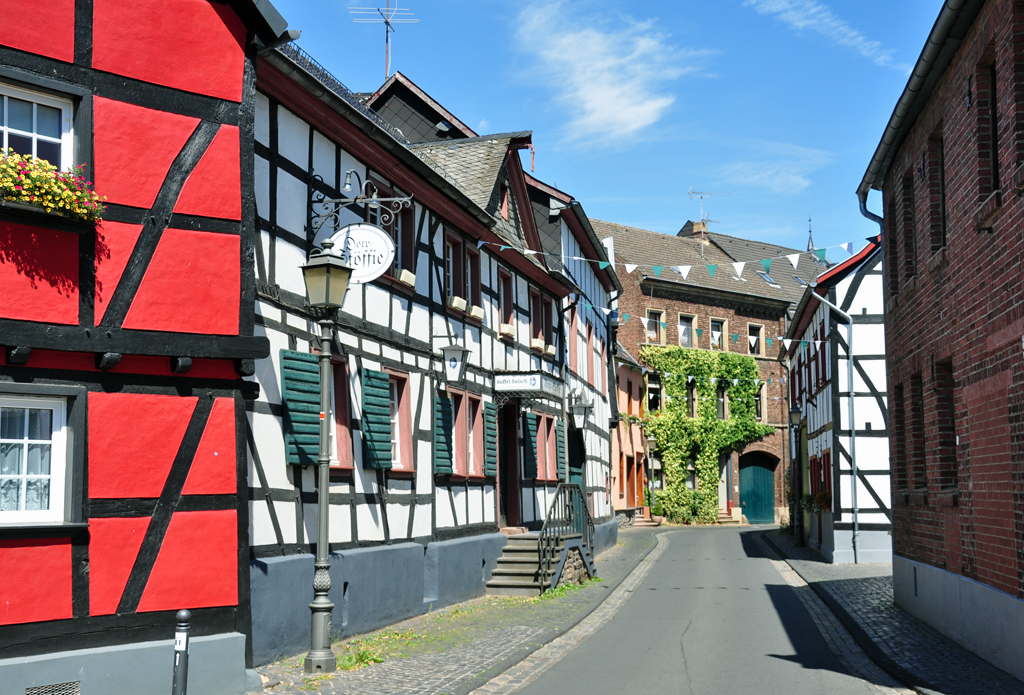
pixel 779 103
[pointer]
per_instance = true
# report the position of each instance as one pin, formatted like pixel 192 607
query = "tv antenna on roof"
pixel 703 220
pixel 388 16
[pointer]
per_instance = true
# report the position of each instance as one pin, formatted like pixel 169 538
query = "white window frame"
pixel 692 327
pixel 58 461
pixel 67 149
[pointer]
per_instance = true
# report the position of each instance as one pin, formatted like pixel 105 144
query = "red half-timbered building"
pixel 122 468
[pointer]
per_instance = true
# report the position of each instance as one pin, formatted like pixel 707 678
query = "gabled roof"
pixel 623 354
pixel 474 163
pixel 263 18
pixel 648 249
pixel 427 103
pixel 782 271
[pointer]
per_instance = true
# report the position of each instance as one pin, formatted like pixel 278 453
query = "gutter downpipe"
pixel 853 424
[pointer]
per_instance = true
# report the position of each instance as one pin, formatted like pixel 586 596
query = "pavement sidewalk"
pixel 906 648
pixel 457 649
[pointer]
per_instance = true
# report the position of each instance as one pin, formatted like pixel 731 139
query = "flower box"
pixel 476 312
pixel 33 186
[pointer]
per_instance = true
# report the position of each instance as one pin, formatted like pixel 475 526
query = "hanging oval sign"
pixel 368 249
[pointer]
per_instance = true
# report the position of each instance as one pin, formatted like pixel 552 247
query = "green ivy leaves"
pixel 703 437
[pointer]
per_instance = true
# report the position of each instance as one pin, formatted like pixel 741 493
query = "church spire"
pixel 810 237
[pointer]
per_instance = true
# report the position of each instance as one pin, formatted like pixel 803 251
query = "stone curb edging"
pixel 868 645
pixel 527 668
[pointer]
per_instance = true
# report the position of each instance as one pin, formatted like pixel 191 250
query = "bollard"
pixel 180 684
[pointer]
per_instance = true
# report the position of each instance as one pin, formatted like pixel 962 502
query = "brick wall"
pixel 955 314
pixel 637 299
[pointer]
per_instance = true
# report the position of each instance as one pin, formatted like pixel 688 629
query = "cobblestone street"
pixel 460 648
pixel 863 594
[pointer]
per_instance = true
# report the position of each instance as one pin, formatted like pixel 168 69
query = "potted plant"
pixel 35 185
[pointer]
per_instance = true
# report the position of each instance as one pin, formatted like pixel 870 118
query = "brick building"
pixel 739 311
pixel 950 170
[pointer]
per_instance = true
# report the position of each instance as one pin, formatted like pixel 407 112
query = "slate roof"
pixel 647 249
pixel 624 356
pixel 782 271
pixel 474 163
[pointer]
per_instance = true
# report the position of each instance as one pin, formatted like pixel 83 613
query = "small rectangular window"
pixel 474 438
pixel 767 278
pixel 536 317
pixel 653 395
pixel 503 192
pixel 506 304
pixel 717 334
pixel 909 226
pixel 549 320
pixel 654 321
pixel 401 422
pixel 686 331
pixel 37 125
pixel 590 353
pixel 800 280
pixel 473 277
pixel 758 407
pixel 32 460
pixel 396 423
pixel 754 339
pixel 691 400
pixel 691 473
pixel 721 404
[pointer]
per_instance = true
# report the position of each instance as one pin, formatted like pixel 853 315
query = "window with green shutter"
pixel 443 442
pixel 490 440
pixel 560 442
pixel 531 423
pixel 376 420
pixel 300 389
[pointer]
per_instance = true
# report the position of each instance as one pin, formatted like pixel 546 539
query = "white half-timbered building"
pixel 819 386
pixel 424 475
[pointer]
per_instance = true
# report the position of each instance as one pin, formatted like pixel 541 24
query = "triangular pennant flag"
pixel 735 382
pixel 625 318
pixel 607 312
pixel 683 270
pixel 849 247
pixel 698 331
pixel 711 269
pixel 769 341
pixel 776 399
pixel 794 258
pixel 820 253
pixel 735 337
pixel 787 342
pixel 757 382
pixel 644 370
pixel 713 380
pixel 739 265
pixel 480 244
pixel 767 381
pixel 657 270
pixel 689 379
pixel 752 339
pixel 603 264
pixel 503 247
pixel 664 326
pixel 529 252
pixel 782 380
pixel 803 344
pixel 817 343
pixel 716 335
pixel 767 263
pixel 630 267
pixel 682 329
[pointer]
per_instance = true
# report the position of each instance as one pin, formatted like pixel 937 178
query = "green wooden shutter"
pixel 530 446
pixel 443 423
pixel 490 440
pixel 560 441
pixel 300 388
pixel 376 420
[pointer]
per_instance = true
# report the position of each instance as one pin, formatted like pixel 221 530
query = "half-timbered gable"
pixel 819 386
pixel 121 401
pixel 418 471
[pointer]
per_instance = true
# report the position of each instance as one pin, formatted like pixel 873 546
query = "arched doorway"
pixel 757 487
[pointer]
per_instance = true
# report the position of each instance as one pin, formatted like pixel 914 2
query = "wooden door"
pixel 757 488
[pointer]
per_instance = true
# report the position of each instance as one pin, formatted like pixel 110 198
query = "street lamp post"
pixel 326 278
pixel 797 512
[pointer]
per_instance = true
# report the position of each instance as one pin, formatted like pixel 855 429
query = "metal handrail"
pixel 567 515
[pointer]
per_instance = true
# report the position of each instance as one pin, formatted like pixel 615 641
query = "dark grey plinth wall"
pixel 606 535
pixel 370 588
pixel 216 667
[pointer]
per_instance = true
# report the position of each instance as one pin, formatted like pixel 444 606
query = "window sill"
pixel 41 529
pixel 388 281
pixel 340 474
pixel 987 211
pixel 400 473
pixel 919 498
pixel 948 498
pixel 937 260
pixel 35 216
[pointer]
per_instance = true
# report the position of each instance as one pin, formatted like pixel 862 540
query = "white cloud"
pixel 482 128
pixel 817 17
pixel 780 167
pixel 612 79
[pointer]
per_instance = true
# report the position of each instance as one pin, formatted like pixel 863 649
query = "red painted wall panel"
pixel 35 580
pixel 113 546
pixel 38 274
pixel 133 439
pixel 115 242
pixel 214 187
pixel 207 40
pixel 134 148
pixel 192 285
pixel 198 563
pixel 46 28
pixel 213 468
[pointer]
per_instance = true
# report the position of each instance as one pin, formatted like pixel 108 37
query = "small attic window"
pixel 503 195
pixel 443 126
pixel 768 278
pixel 800 280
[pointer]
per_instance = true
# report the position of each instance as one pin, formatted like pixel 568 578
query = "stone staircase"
pixel 727 519
pixel 518 572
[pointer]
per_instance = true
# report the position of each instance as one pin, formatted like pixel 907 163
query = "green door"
pixel 757 488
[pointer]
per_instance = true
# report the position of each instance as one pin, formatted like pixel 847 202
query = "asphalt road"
pixel 712 617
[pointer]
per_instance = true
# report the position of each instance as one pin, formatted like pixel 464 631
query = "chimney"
pixel 697 230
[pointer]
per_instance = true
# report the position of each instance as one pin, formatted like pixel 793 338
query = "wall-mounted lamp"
pixel 455 357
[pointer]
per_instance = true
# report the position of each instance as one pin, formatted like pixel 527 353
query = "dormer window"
pixel 503 193
pixel 768 278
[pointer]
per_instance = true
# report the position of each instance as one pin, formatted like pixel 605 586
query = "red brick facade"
pixel 955 314
pixel 738 311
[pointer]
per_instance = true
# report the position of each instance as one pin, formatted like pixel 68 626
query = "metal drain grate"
pixel 72 688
